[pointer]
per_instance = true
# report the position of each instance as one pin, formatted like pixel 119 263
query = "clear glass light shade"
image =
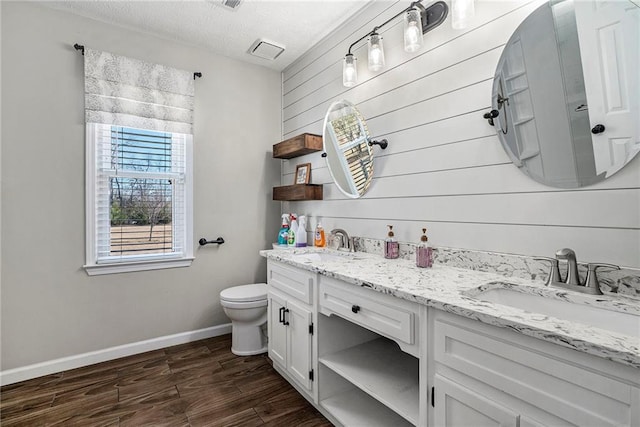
pixel 412 30
pixel 376 53
pixel 349 71
pixel 462 12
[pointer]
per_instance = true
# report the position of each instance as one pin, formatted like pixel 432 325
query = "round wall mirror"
pixel 567 92
pixel 346 144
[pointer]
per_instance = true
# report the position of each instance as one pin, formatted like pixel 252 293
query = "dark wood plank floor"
pixel 195 384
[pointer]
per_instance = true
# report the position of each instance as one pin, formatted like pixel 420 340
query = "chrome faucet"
pixel 572 266
pixel 345 240
pixel 572 280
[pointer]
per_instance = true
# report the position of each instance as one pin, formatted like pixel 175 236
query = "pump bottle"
pixel 424 252
pixel 391 246
pixel 318 237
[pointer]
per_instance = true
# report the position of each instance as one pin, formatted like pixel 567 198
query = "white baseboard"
pixel 15 375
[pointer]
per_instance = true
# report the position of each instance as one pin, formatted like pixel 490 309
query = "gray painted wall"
pixel 445 168
pixel 50 307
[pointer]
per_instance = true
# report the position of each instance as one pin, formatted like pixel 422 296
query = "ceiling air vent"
pixel 265 49
pixel 231 4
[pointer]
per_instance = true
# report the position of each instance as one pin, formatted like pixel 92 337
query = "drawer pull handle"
pixel 284 321
pixel 355 308
pixel 281 315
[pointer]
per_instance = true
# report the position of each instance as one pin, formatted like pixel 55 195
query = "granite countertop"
pixel 457 290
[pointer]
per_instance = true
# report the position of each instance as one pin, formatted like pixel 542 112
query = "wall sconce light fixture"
pixel 413 30
pixel 349 70
pixel 376 52
pixel 417 21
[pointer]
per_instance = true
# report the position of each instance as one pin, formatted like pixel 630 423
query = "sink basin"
pixel 324 256
pixel 615 321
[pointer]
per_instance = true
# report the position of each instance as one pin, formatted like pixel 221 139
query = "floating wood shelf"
pixel 297 146
pixel 298 192
pixel 294 147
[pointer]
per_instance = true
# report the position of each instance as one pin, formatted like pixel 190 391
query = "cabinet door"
pixel 456 405
pixel 299 344
pixel 277 329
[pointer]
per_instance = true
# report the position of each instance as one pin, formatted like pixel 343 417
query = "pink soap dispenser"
pixel 424 252
pixel 391 246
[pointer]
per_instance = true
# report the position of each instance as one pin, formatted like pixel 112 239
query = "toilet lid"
pixel 255 292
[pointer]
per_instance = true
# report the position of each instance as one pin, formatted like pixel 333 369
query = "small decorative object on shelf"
pixel 303 173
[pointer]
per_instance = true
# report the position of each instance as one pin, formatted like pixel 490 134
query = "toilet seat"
pixel 245 293
pixel 243 305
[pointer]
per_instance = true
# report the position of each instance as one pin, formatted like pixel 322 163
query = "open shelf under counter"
pixel 355 408
pixel 380 369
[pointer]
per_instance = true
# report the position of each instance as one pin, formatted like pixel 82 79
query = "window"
pixel 139 179
pixel 141 190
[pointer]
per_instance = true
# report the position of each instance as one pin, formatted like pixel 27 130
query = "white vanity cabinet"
pixel 366 358
pixel 290 323
pixel 486 375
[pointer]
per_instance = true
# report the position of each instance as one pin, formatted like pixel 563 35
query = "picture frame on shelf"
pixel 303 173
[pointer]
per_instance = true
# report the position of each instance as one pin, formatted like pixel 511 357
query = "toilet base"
pixel 248 340
pixel 249 353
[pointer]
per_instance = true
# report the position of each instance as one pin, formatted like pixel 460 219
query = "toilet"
pixel 246 306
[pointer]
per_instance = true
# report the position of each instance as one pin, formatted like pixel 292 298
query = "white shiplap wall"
pixel 444 167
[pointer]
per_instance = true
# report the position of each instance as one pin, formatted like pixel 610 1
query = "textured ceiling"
pixel 295 24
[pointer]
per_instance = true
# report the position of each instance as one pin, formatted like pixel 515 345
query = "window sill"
pixel 129 267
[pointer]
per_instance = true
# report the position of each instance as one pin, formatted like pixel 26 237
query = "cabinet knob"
pixel 355 308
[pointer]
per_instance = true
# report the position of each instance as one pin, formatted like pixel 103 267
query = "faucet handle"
pixel 591 281
pixel 554 272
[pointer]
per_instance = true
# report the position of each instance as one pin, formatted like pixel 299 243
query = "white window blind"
pixel 139 178
pixel 129 92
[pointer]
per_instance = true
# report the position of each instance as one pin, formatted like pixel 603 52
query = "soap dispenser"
pixel 391 246
pixel 318 236
pixel 424 252
pixel 283 234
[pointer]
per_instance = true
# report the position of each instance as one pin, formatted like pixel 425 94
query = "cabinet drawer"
pixel 384 314
pixel 293 281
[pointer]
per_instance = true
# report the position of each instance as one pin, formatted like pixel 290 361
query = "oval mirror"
pixel 346 144
pixel 567 92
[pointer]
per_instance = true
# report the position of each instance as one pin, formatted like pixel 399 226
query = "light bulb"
pixel 349 71
pixel 376 53
pixel 462 11
pixel 412 30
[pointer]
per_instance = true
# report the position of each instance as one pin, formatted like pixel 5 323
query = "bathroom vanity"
pixel 371 342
